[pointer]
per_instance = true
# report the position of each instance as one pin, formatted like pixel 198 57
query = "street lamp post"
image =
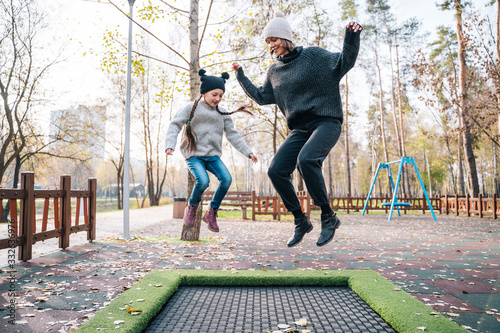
pixel 126 155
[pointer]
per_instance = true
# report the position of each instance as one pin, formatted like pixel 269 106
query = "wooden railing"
pixel 241 199
pixel 465 205
pixel 479 206
pixel 267 205
pixel 272 205
pixel 23 230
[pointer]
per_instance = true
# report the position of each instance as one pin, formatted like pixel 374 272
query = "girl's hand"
pixel 354 27
pixel 253 158
pixel 235 66
pixel 169 151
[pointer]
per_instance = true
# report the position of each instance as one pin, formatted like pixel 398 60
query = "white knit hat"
pixel 278 27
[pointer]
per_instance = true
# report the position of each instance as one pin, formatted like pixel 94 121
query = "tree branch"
pixel 175 8
pixel 149 32
pixel 204 28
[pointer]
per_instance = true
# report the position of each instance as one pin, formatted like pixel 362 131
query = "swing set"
pixel 394 202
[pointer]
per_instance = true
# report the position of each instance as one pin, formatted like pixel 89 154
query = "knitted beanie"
pixel 212 82
pixel 278 27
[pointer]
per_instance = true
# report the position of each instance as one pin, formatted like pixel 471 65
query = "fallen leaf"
pixel 130 309
pixel 301 322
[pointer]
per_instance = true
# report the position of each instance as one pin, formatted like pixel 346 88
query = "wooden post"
pixel 27 214
pixel 92 186
pixel 348 202
pixel 456 204
pixel 494 206
pixel 278 207
pixel 308 205
pixel 65 182
pixel 447 208
pixel 467 204
pixel 253 205
pixel 480 205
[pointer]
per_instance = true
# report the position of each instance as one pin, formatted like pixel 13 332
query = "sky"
pixel 81 24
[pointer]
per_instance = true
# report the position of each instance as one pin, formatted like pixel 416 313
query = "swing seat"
pixel 404 204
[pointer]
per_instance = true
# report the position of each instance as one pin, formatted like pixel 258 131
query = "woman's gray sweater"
pixel 208 126
pixel 308 83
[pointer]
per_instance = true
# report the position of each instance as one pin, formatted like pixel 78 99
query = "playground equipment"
pixel 394 202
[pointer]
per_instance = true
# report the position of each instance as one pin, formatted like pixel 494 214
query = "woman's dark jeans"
pixel 306 147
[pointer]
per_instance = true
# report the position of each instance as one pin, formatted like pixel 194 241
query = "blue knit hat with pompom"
pixel 209 82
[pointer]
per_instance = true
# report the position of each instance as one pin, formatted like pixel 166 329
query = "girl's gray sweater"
pixel 208 126
pixel 307 84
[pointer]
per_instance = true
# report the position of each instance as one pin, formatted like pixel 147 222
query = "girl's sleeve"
pixel 175 126
pixel 349 53
pixel 263 95
pixel 234 137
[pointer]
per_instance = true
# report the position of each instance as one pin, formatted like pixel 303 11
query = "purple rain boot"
pixel 210 218
pixel 190 215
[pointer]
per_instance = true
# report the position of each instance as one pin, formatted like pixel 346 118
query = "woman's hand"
pixel 253 158
pixel 354 27
pixel 169 151
pixel 235 66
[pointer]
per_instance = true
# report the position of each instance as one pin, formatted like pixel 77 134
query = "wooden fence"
pixel 481 206
pixel 22 231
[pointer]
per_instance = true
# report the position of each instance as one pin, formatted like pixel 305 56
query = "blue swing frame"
pixel 394 202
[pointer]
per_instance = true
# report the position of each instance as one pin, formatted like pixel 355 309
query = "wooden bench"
pixel 242 199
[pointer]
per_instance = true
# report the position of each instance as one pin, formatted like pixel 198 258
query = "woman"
pixel 304 83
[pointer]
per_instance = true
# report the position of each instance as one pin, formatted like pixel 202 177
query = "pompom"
pixel 225 76
pixel 201 72
pixel 279 13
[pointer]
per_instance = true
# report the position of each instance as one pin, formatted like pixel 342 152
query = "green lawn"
pixel 398 308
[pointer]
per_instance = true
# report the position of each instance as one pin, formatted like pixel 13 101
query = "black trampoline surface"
pixel 266 309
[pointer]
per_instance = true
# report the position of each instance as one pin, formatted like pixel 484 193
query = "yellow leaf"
pixel 130 309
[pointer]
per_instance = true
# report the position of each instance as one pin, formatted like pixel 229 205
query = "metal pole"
pixel 126 155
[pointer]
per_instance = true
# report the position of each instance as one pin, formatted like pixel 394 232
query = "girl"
pixel 202 144
pixel 304 83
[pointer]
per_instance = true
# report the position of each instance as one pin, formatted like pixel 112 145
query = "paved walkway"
pixel 451 265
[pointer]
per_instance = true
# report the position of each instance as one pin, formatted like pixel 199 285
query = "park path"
pixel 451 264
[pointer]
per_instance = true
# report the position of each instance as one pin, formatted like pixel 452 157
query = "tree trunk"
pixel 464 106
pixel 382 112
pixel 461 181
pixel 381 108
pixel 235 172
pixel 406 179
pixel 497 65
pixel 193 233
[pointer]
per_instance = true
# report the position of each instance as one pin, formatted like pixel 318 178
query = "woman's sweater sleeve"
pixel 349 53
pixel 234 137
pixel 263 95
pixel 175 126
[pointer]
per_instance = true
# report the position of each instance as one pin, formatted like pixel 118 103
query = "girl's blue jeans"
pixel 198 166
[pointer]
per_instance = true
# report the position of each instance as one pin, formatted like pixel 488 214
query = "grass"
pixel 398 308
pixel 163 239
